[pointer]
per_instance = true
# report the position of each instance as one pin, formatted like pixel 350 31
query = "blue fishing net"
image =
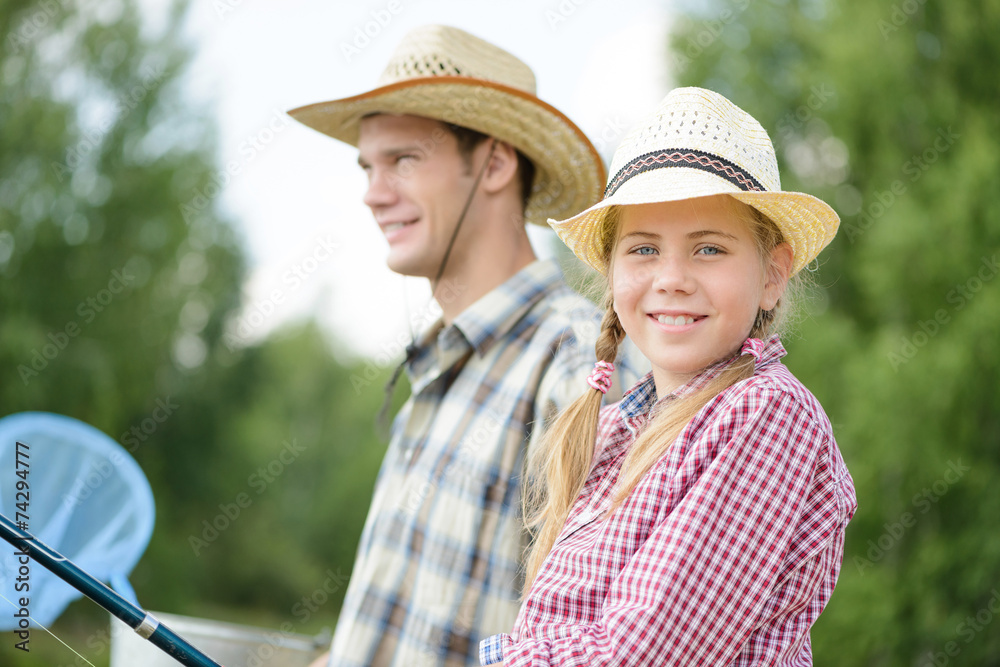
pixel 86 498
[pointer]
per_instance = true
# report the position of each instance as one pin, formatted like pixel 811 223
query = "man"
pixel 459 152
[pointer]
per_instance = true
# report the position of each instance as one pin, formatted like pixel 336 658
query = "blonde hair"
pixel 558 465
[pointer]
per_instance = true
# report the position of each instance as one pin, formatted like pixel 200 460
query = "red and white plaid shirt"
pixel 724 554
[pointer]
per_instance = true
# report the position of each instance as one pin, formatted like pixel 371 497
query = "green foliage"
pixel 281 494
pixel 901 344
pixel 103 277
pixel 118 281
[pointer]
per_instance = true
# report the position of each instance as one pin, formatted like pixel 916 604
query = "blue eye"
pixel 710 250
pixel 642 250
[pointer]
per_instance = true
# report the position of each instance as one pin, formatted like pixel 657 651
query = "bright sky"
pixel 313 247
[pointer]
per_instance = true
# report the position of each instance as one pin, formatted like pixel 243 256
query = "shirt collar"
pixel 495 314
pixel 637 402
pixel 484 322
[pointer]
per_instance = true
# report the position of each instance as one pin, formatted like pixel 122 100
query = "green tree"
pixel 111 298
pixel 276 505
pixel 118 280
pixel 887 110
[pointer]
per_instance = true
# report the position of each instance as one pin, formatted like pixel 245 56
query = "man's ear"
pixel 778 272
pixel 502 168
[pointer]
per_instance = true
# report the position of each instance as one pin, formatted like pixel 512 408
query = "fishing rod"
pixel 144 623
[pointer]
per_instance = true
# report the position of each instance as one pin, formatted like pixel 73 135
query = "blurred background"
pixel 187 270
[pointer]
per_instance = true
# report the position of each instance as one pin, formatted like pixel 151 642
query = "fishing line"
pixel 51 633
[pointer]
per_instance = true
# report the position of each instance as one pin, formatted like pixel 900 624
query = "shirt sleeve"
pixel 699 585
pixel 491 649
pixel 563 381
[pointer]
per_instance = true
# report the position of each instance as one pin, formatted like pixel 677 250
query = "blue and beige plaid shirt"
pixel 438 567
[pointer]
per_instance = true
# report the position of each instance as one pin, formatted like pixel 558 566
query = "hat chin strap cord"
pixel 381 421
pixel 461 218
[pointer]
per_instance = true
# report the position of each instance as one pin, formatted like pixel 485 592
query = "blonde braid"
pixel 560 463
pixel 612 334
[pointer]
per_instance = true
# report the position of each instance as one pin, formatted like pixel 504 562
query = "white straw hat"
pixel 697 143
pixel 447 74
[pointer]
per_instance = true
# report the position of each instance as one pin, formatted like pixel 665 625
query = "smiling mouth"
pixel 677 321
pixel 396 225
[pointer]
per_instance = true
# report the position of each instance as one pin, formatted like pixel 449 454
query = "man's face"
pixel 418 183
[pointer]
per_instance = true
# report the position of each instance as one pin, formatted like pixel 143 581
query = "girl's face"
pixel 687 281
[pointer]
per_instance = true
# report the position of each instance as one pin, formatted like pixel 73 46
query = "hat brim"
pixel 569 173
pixel 807 223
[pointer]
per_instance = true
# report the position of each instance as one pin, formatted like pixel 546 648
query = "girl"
pixel 700 521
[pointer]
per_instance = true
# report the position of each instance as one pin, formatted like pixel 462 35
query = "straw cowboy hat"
pixel 698 143
pixel 449 75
